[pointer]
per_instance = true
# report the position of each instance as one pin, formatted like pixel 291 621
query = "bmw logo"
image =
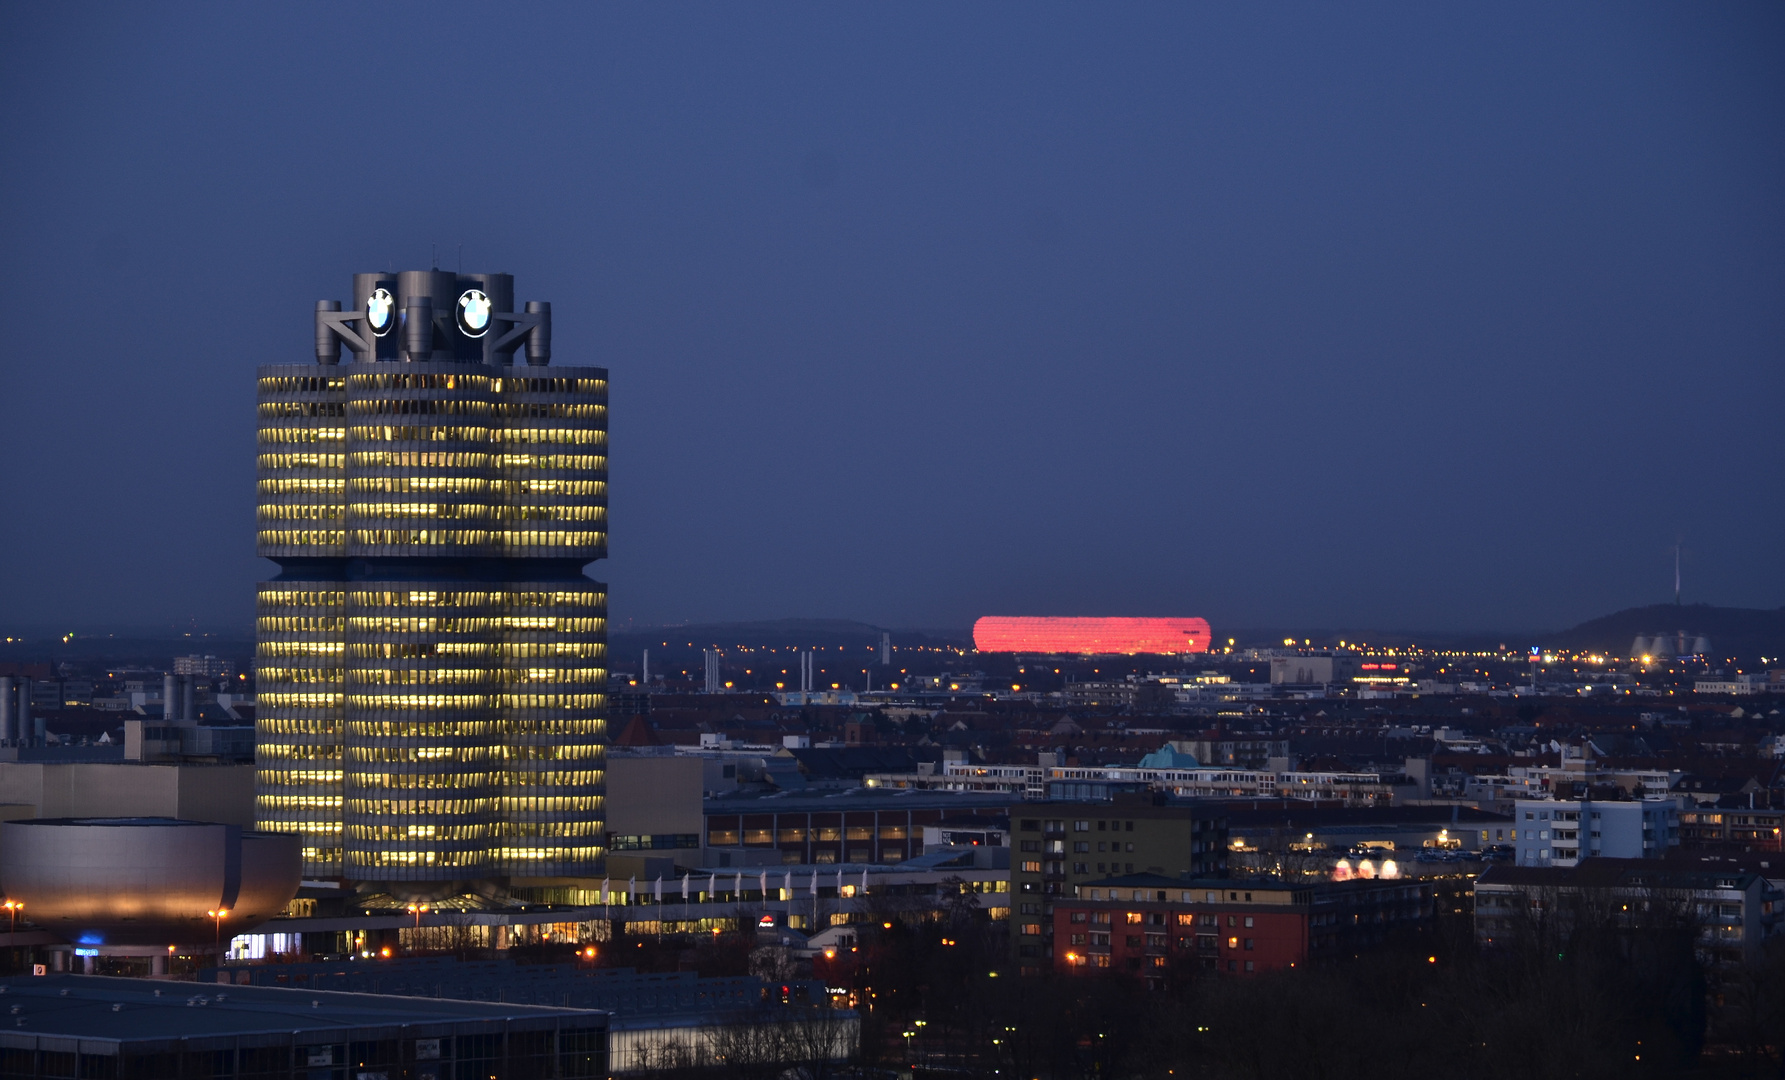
pixel 474 313
pixel 381 311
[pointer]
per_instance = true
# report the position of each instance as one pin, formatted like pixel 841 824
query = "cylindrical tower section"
pixel 551 438
pixel 419 461
pixel 300 469
pixel 422 746
pixel 539 338
pixel 500 289
pixel 554 732
pixel 430 293
pixel 328 344
pixel 9 720
pixel 299 716
pixel 375 296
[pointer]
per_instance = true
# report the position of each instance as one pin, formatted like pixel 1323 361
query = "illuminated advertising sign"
pixel 1090 636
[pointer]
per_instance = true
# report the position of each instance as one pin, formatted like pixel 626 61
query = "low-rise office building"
pixel 860 827
pixel 1155 926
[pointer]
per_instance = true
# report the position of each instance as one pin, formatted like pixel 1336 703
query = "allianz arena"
pixel 1090 636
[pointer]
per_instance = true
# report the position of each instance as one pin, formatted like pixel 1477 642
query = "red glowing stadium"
pixel 1005 633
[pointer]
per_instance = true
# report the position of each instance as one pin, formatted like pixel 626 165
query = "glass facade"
pixel 431 658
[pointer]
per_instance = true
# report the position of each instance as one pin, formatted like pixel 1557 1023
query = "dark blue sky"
pixel 1420 316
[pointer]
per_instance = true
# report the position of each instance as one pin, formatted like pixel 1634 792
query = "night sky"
pixel 1430 316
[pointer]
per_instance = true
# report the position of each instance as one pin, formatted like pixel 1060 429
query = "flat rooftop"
pixel 136 1015
pixel 862 798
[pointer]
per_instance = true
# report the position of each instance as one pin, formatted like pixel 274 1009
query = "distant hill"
pixel 1739 633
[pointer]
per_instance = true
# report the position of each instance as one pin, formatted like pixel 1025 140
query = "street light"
pixel 14 906
pixel 416 910
pixel 217 916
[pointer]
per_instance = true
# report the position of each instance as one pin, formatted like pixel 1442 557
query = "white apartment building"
pixel 1553 832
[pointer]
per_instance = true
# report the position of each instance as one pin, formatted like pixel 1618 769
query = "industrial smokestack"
pixel 170 698
pixel 188 698
pixel 9 720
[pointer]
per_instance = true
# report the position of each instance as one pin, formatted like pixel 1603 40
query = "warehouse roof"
pixel 99 1009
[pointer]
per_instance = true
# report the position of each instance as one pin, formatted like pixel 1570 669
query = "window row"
pixel 301 435
pixel 304 384
pixel 551 386
pixel 548 435
pixel 477 831
pixel 458 406
pixel 422 381
pixel 470 625
pixel 273 410
pixel 301 461
pixel 296 487
pixel 550 411
pixel 420 433
pixel 421 459
pixel 413 729
pixel 298 802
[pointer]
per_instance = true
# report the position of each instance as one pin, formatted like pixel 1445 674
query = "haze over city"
pixel 1414 318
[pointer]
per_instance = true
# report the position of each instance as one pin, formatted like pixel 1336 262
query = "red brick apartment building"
pixel 1148 925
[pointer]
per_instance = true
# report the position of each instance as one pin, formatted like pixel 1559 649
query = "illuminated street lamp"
pixel 416 910
pixel 16 906
pixel 217 916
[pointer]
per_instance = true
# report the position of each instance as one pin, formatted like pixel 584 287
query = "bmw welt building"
pixel 431 657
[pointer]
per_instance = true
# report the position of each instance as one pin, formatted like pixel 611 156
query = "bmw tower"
pixel 431 659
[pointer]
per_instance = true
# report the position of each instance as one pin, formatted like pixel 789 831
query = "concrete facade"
pixel 216 793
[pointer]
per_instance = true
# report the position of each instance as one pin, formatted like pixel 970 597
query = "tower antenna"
pixel 1676 575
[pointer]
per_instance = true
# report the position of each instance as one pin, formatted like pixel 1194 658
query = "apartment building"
pixel 1059 846
pixel 1158 928
pixel 1550 832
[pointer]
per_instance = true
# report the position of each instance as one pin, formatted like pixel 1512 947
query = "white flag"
pixel 737 888
pixel 864 879
pixel 789 885
pixel 712 888
pixel 684 888
pixel 839 881
pixel 606 893
pixel 764 882
pixel 657 892
pixel 631 890
pixel 814 883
